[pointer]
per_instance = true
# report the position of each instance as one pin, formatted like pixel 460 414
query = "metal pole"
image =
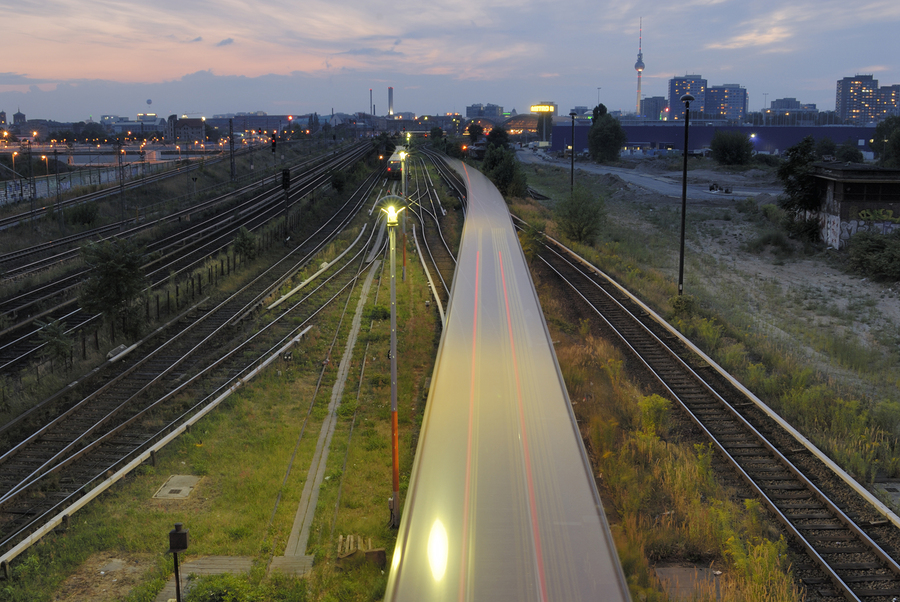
pixel 686 99
pixel 121 187
pixel 572 178
pixel 395 447
pixel 177 579
pixel 58 199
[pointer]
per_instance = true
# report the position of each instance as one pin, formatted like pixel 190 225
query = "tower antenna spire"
pixel 639 65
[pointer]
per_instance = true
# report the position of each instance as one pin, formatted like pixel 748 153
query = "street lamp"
pixel 15 173
pixel 46 164
pixel 572 175
pixel 394 505
pixel 687 99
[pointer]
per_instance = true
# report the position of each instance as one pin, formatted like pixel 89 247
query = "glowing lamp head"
pixel 391 215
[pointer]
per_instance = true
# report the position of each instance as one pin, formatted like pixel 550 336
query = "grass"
pixel 660 491
pixel 242 450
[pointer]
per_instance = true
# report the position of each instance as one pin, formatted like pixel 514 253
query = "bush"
pixel 222 588
pixel 580 215
pixel 731 148
pixel 245 244
pixel 876 255
pixel 83 214
pixel 802 229
pixel 767 160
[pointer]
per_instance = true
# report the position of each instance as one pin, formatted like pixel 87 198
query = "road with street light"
pixel 665 185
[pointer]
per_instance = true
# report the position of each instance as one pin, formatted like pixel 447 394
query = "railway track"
pixel 428 212
pixel 96 431
pixel 168 257
pixel 851 546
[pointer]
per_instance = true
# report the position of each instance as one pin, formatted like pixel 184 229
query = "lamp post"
pixel 686 99
pixel 15 173
pixel 572 174
pixel 394 504
pixel 46 172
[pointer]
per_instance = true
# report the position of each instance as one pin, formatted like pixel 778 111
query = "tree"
pixel 57 342
pixel 886 142
pixel 580 215
pixel 502 167
pixel 848 153
pixel 599 111
pixel 115 282
pixel 245 244
pixel 475 132
pixel 498 137
pixel 796 177
pixel 825 147
pixel 606 138
pixel 436 133
pixel 731 148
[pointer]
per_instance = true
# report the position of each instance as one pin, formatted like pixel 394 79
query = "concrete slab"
pixel 891 489
pixel 687 581
pixel 207 565
pixel 293 566
pixel 177 487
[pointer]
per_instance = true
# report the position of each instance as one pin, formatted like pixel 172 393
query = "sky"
pixel 69 60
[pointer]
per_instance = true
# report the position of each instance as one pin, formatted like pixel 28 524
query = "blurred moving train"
pixel 395 164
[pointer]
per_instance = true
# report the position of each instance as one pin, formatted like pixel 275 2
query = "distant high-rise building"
pixel 654 107
pixel 639 66
pixel 390 100
pixel 888 101
pixel 2 117
pixel 694 85
pixel 728 101
pixel 19 118
pixel 785 104
pixel 856 99
pixel 481 110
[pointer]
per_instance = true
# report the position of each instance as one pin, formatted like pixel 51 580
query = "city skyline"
pixel 69 61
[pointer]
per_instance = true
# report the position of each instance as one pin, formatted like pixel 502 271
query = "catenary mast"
pixel 639 66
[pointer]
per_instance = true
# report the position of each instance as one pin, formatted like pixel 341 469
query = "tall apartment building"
pixel 480 110
pixel 856 99
pixel 728 101
pixel 889 101
pixel 654 107
pixel 694 85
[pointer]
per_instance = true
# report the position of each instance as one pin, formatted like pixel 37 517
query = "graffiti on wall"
pixel 837 234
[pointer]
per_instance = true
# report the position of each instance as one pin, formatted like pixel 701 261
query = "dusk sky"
pixel 71 59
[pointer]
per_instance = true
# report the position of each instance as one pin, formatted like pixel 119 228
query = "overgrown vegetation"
pixel 606 137
pixel 580 215
pixel 876 255
pixel 760 334
pixel 116 280
pixel 800 193
pixel 731 147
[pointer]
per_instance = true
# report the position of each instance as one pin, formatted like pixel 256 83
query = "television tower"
pixel 639 65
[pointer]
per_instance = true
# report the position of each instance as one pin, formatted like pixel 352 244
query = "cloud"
pixel 226 42
pixel 197 39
